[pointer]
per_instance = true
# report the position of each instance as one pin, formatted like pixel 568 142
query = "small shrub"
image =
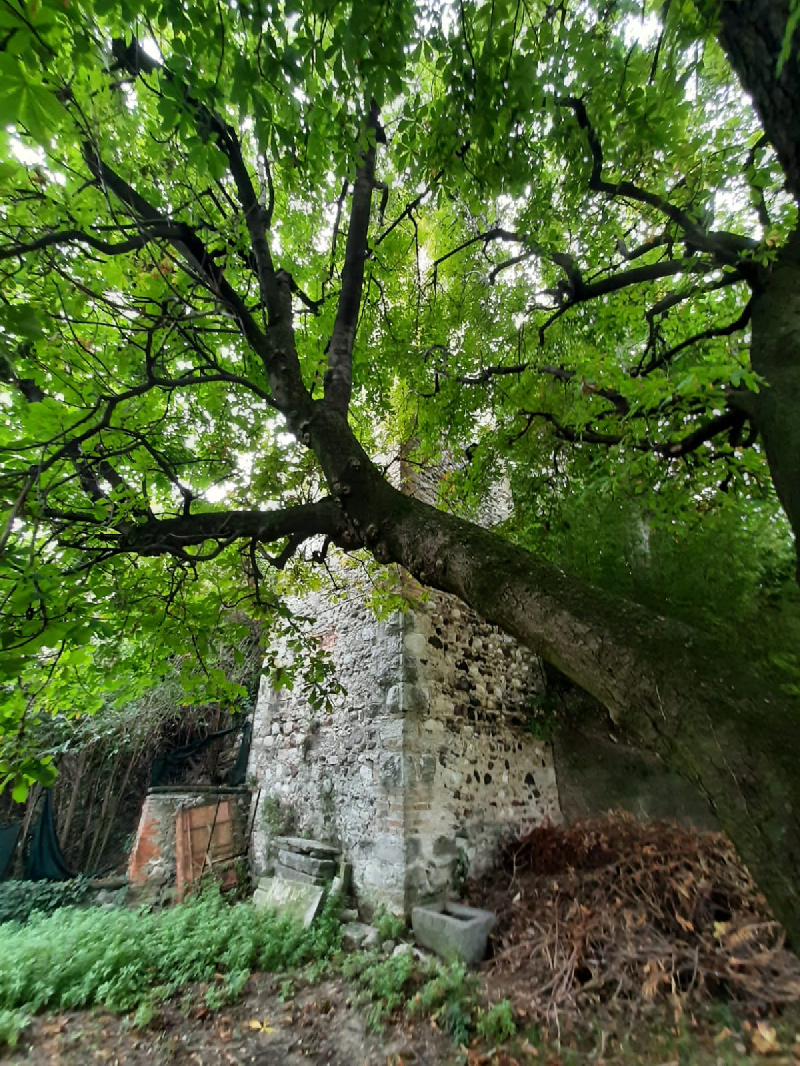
pixel 145 1013
pixel 382 985
pixel 448 997
pixel 385 986
pixel 497 1024
pixel 450 983
pixel 286 990
pixel 389 926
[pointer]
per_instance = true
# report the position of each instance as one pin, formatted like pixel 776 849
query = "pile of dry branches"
pixel 614 912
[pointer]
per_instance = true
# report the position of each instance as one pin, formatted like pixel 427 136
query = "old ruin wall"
pixel 425 763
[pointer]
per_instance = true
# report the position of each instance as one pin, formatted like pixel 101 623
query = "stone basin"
pixel 453 930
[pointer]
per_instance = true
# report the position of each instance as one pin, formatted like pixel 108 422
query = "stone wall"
pixel 337 777
pixel 474 771
pixel 426 761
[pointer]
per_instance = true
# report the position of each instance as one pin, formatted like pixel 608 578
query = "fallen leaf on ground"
pixel 260 1027
pixel 765 1040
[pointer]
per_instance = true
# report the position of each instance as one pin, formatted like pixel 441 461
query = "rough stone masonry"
pixel 426 762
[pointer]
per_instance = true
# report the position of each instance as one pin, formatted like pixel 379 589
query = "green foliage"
pixel 390 926
pixel 449 997
pixel 12 1022
pixel 497 1024
pixel 383 985
pixel 277 817
pixel 126 959
pixel 286 990
pixel 19 900
pixel 460 872
pixel 560 335
pixel 723 565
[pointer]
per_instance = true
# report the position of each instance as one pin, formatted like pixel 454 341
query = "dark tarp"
pixel 8 841
pixel 45 861
pixel 166 767
pixel 238 772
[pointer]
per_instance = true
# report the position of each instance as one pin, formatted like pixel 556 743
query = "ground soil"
pixel 318 1026
pixel 315 1026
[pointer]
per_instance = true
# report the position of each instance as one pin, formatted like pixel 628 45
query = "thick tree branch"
pixel 157 231
pixel 174 535
pixel 276 350
pixel 484 376
pixel 339 375
pixel 135 60
pixel 756 191
pixel 751 33
pixel 498 233
pixel 725 422
pixel 574 289
pixel 712 332
pixel 732 419
pixel 637 276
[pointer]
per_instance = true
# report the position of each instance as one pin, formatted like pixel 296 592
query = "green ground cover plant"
pixel 389 926
pixel 127 960
pixel 445 992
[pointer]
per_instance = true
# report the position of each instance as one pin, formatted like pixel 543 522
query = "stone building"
pixel 427 760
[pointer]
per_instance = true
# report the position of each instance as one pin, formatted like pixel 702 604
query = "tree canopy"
pixel 251 253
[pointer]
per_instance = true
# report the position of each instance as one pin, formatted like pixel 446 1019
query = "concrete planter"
pixel 453 930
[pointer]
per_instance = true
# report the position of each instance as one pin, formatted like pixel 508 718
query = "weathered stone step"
pixel 298 901
pixel 325 868
pixel 288 873
pixel 314 848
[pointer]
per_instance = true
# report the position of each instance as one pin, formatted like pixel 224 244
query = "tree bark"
pixel 752 33
pixel 774 354
pixel 679 695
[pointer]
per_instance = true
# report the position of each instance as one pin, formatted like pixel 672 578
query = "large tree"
pixel 241 243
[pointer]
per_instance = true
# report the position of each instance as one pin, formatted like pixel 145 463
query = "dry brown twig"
pixel 614 912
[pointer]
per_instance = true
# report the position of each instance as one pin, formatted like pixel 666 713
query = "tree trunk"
pixel 774 354
pixel 752 33
pixel 679 695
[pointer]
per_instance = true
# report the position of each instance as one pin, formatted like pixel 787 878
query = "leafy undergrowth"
pixel 615 943
pixel 130 960
pixel 20 899
pixel 446 994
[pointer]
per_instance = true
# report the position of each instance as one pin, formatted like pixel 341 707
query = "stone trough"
pixel 453 930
